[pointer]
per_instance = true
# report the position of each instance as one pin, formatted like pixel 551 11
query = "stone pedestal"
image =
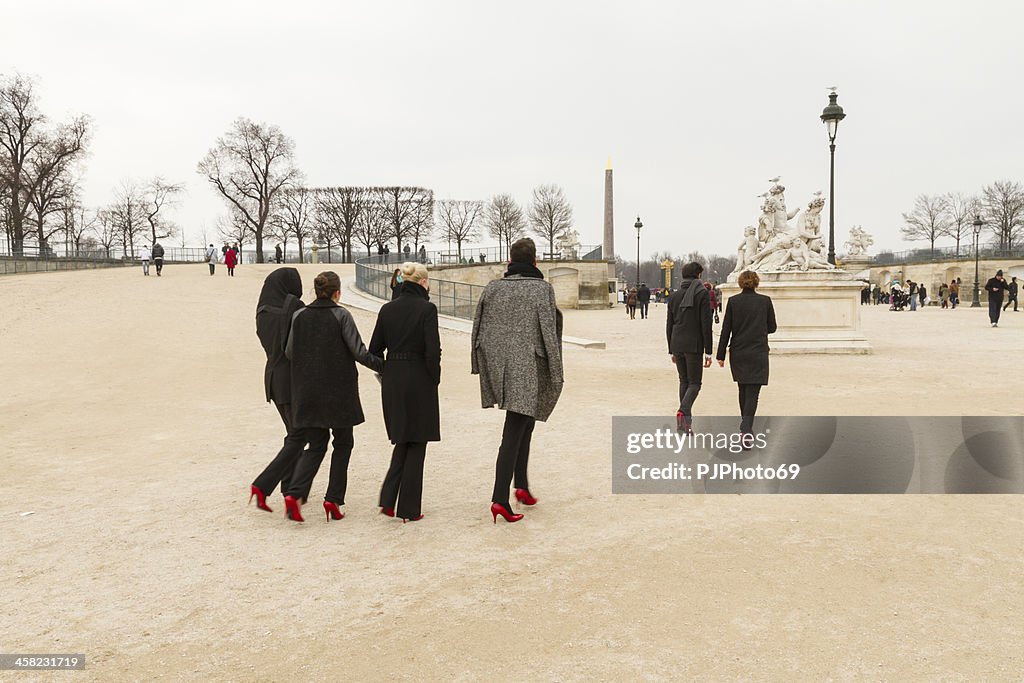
pixel 816 311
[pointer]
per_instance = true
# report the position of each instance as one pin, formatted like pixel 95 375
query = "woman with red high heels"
pixel 407 329
pixel 517 351
pixel 278 301
pixel 324 346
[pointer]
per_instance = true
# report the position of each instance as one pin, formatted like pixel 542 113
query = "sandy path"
pixel 132 422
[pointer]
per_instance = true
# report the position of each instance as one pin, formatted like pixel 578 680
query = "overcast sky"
pixel 698 104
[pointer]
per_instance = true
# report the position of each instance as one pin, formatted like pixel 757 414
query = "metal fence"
pixel 966 251
pixel 457 299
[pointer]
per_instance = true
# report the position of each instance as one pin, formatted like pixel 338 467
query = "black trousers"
pixel 282 467
pixel 749 394
pixel 513 455
pixel 643 308
pixel 1011 300
pixel 212 266
pixel 690 367
pixel 309 463
pixel 995 307
pixel 404 481
pixel 159 265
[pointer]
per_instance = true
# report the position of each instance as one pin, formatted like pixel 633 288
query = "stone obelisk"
pixel 608 246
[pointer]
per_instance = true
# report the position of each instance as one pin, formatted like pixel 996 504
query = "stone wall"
pixel 933 273
pixel 578 284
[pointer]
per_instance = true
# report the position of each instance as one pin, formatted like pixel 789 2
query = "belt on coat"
pixel 405 355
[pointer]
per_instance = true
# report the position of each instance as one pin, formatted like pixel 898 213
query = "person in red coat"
pixel 230 260
pixel 713 296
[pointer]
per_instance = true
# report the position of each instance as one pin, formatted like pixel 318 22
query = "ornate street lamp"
pixel 831 116
pixel 638 225
pixel 976 301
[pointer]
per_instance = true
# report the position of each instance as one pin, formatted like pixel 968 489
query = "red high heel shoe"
pixel 414 519
pixel 261 499
pixel 291 509
pixel 524 497
pixel 332 511
pixel 390 512
pixel 499 509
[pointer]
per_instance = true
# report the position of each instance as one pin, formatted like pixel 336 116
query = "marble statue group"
pixel 775 246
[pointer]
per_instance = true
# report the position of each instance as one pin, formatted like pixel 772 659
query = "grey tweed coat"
pixel 517 346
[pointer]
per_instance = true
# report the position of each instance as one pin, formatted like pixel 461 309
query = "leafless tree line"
pixel 716 268
pixel 1000 207
pixel 40 193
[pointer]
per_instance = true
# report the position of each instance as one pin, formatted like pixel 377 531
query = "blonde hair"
pixel 414 272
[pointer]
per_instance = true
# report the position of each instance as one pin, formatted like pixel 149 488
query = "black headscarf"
pixel 278 285
pixel 524 269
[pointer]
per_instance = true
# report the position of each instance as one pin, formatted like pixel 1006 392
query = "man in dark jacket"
pixel 643 297
pixel 158 257
pixel 688 328
pixel 995 288
pixel 1013 295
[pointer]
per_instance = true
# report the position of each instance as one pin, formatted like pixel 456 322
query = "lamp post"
pixel 831 116
pixel 976 301
pixel 638 225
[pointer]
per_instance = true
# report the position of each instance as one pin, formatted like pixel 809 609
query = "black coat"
pixel 407 329
pixel 324 345
pixel 689 329
pixel 643 295
pixel 995 289
pixel 278 302
pixel 749 319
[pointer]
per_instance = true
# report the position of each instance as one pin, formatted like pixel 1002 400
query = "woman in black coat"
pixel 278 301
pixel 407 329
pixel 749 319
pixel 324 346
pixel 396 284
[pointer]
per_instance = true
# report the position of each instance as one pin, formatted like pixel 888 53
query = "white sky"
pixel 698 104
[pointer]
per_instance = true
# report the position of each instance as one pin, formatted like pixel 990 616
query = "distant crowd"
pixel 910 295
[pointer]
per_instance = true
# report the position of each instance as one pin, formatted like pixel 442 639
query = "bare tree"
pixel 926 221
pixel 128 212
pixel 422 218
pixel 294 214
pixel 371 229
pixel 960 210
pixel 29 151
pixel 1003 205
pixel 77 224
pixel 160 195
pixel 249 166
pixel 550 214
pixel 338 211
pixel 106 233
pixel 234 228
pixel 403 209
pixel 505 221
pixel 460 221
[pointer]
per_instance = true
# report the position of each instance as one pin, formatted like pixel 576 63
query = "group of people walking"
pixel 156 255
pixel 909 296
pixel 230 254
pixel 311 376
pixel 749 319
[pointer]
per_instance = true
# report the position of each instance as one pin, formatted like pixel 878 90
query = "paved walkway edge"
pixel 357 298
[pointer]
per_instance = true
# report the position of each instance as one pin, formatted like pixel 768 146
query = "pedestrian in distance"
pixel 407 330
pixel 631 300
pixel 643 299
pixel 278 302
pixel 995 287
pixel 158 258
pixel 1011 290
pixel 516 349
pixel 211 258
pixel 688 328
pixel 396 283
pixel 749 319
pixel 231 260
pixel 324 346
pixel 145 256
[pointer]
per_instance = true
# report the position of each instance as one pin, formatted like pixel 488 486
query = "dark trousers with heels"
pixel 749 394
pixel 513 455
pixel 404 480
pixel 309 463
pixel 282 467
